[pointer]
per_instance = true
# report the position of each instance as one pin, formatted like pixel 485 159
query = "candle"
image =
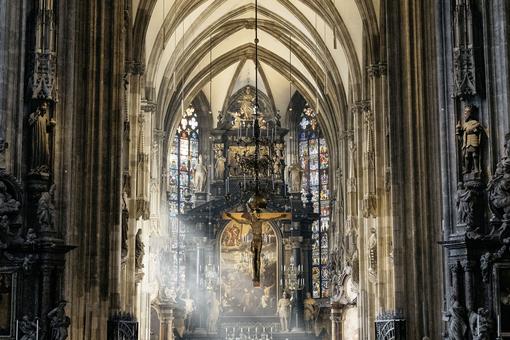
pixel 17 329
pixel 37 330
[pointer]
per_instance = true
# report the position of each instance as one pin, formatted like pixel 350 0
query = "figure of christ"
pixel 256 218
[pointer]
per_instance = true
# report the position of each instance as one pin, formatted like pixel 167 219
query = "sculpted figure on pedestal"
pixel 311 311
pixel 8 204
pixel 219 167
pixel 457 326
pixel 465 205
pixel 41 127
pixel 470 133
pixel 295 177
pixel 284 307
pixel 139 250
pixel 214 314
pixel 200 179
pixel 46 210
pixel 59 322
pixel 28 328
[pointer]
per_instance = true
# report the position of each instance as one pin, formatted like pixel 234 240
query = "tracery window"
pixel 314 157
pixel 183 158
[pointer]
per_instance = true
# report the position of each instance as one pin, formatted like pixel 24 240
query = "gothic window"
pixel 314 157
pixel 183 158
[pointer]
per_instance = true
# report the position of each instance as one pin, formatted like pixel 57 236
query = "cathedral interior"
pixel 254 169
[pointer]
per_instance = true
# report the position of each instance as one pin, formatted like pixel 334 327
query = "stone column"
pixel 166 321
pixel 468 284
pixel 298 294
pixel 336 322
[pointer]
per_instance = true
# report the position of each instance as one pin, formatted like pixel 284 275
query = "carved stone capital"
pixel 148 106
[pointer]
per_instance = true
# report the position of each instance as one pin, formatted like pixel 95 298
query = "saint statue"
pixel 470 132
pixel 219 167
pixel 255 218
pixel 214 314
pixel 46 213
pixel 41 127
pixel 8 204
pixel 295 177
pixel 247 102
pixel 139 250
pixel 284 308
pixel 59 322
pixel 189 308
pixel 457 326
pixel 200 179
pixel 311 311
pixel 28 328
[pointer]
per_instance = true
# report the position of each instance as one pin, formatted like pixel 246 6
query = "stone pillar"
pixel 468 284
pixel 336 322
pixel 298 294
pixel 166 321
pixel 455 271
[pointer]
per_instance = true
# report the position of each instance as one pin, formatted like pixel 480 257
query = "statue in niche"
pixel 41 127
pixel 499 186
pixel 295 177
pixel 247 101
pixel 200 179
pixel 8 205
pixel 46 211
pixel 125 224
pixel 139 250
pixel 284 308
pixel 219 167
pixel 28 328
pixel 470 133
pixel 457 326
pixel 59 322
pixel 311 311
pixel 214 314
pixel 481 324
pixel 465 205
pixel 351 180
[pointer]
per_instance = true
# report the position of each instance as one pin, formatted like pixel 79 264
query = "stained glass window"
pixel 183 157
pixel 315 163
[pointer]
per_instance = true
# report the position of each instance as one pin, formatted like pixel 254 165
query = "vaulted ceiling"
pixel 317 47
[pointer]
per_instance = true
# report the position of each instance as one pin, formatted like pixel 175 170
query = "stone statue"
pixel 125 225
pixel 214 314
pixel 457 326
pixel 200 179
pixel 189 308
pixel 31 237
pixel 139 250
pixel 311 311
pixel 465 205
pixel 481 324
pixel 351 178
pixel 41 127
pixel 28 328
pixel 219 167
pixel 8 205
pixel 284 308
pixel 46 210
pixel 470 132
pixel 59 322
pixel 499 186
pixel 295 177
pixel 247 102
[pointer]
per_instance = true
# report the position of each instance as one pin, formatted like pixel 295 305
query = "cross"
pixel 255 219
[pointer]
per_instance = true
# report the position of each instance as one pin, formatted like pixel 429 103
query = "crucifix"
pixel 255 218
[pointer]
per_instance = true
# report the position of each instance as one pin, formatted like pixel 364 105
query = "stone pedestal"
pixel 336 322
pixel 166 321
